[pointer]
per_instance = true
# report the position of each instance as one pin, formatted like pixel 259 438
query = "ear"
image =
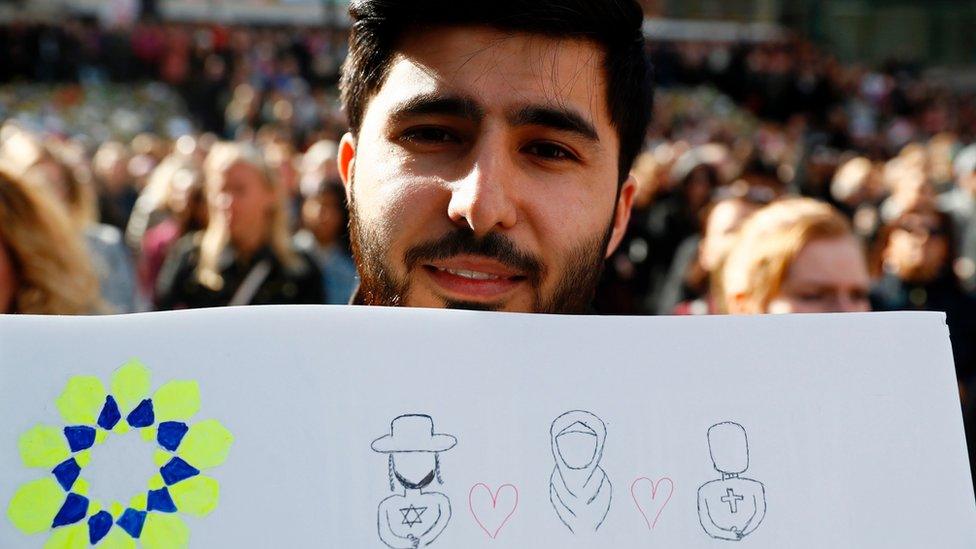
pixel 621 216
pixel 347 162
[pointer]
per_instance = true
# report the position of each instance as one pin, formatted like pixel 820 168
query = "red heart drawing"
pixel 655 503
pixel 488 517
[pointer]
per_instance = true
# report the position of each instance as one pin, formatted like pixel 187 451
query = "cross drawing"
pixel 733 500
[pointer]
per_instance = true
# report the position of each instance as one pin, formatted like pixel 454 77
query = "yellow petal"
pixel 43 446
pixel 83 458
pixel 206 444
pixel 196 496
pixel 82 400
pixel 116 510
pixel 148 434
pixel 80 487
pixel 139 502
pixel 156 482
pixel 69 537
pixel 130 384
pixel 176 400
pixel 35 504
pixel 164 531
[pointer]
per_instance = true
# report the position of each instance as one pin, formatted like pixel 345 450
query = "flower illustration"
pixel 59 502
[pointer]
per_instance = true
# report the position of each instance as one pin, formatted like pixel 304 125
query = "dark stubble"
pixel 573 292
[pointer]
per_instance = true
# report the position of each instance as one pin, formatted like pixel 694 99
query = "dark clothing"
pixel 675 289
pixel 943 294
pixel 178 287
pixel 668 223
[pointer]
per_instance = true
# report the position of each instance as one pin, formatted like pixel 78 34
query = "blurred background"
pixel 805 155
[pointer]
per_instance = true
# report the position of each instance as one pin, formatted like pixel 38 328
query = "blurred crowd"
pixel 775 179
pixel 232 80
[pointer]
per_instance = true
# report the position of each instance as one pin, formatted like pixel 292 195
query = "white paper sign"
pixel 361 427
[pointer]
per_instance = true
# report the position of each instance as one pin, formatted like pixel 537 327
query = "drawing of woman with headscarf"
pixel 579 488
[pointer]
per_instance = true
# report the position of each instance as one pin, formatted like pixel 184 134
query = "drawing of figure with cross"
pixel 732 507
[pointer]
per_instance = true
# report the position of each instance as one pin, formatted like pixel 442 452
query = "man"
pixel 487 164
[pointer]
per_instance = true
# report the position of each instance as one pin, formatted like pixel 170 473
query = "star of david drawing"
pixel 411 515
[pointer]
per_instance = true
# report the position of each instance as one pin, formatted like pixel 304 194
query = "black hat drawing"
pixel 413 433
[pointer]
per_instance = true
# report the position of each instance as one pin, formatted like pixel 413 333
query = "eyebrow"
pixel 459 106
pixel 565 120
pixel 438 104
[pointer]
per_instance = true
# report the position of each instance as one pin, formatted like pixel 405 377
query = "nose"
pixel 483 200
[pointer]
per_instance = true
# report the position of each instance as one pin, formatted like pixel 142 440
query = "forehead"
pixel 500 70
pixel 830 262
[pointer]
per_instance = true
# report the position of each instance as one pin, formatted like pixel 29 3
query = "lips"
pixel 473 278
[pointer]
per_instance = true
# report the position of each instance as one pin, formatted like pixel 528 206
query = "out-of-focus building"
pixel 933 32
pixel 936 32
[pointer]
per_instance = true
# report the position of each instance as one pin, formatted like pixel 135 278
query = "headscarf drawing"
pixel 579 488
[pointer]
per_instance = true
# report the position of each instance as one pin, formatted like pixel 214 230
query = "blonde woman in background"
pixel 245 255
pixel 44 268
pixel 62 172
pixel 795 256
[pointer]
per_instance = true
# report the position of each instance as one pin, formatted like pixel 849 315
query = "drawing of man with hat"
pixel 416 518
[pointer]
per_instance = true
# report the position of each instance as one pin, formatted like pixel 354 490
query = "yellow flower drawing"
pixel 58 503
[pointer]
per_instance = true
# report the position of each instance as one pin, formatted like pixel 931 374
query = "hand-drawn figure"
pixel 579 488
pixel 732 507
pixel 415 518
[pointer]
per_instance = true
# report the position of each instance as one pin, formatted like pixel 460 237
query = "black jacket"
pixel 178 287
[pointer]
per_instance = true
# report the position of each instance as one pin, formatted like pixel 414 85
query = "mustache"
pixel 493 246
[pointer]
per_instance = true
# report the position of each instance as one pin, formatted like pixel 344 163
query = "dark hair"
pixel 614 25
pixel 946 229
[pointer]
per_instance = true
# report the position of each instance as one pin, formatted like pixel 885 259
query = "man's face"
pixel 484 174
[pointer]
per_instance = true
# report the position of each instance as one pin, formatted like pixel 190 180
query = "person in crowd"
pixel 857 190
pixel 797 255
pixel 960 204
pixel 910 188
pixel 56 170
pixel 318 164
pixel 117 194
pixel 676 217
pixel 324 222
pixel 152 206
pixel 186 207
pixel 760 172
pixel 913 261
pixel 688 291
pixel 626 276
pixel 245 255
pixel 44 268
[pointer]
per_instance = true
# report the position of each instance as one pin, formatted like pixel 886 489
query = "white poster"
pixel 364 427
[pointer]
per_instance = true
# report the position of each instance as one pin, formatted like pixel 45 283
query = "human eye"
pixel 860 295
pixel 811 296
pixel 428 135
pixel 548 150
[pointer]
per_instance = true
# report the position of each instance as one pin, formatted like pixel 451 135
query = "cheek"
pixel 783 305
pixel 398 207
pixel 560 220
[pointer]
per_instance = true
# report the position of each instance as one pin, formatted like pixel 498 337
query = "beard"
pixel 573 292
